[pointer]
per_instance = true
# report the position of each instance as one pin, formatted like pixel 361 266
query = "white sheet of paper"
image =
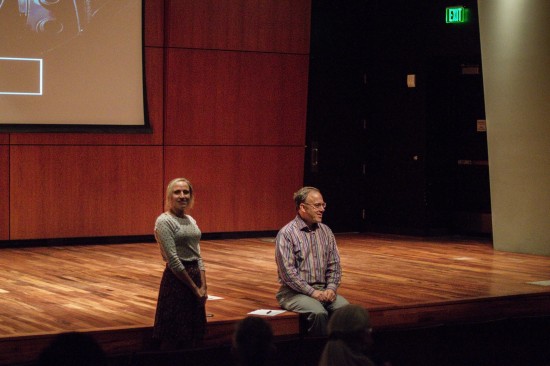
pixel 266 312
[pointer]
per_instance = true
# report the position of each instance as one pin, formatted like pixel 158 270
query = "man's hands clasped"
pixel 326 296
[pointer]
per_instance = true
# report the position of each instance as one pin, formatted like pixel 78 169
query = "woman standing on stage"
pixel 180 320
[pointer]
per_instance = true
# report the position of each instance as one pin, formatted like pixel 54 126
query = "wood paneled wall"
pixel 227 93
pixel 279 26
pixel 235 98
pixel 84 190
pixel 4 190
pixel 239 188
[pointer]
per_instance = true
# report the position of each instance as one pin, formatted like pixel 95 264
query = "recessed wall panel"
pixel 154 23
pixel 4 192
pixel 265 26
pixel 84 191
pixel 235 98
pixel 239 188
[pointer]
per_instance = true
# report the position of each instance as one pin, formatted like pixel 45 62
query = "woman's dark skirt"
pixel 180 315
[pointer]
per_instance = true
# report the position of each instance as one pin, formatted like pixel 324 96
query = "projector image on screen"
pixel 71 62
pixel 45 24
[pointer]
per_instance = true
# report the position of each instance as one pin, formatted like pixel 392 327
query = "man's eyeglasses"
pixel 316 206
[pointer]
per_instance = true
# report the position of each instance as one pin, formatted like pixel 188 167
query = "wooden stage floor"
pixel 111 290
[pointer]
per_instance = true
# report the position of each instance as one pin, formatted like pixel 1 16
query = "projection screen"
pixel 71 63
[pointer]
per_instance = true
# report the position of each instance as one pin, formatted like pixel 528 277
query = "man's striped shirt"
pixel 307 257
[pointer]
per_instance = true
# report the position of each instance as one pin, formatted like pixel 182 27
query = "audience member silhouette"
pixel 253 343
pixel 73 349
pixel 349 340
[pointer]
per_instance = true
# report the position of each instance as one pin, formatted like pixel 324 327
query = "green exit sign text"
pixel 455 14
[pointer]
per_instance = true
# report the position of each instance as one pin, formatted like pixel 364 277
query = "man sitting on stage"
pixel 308 263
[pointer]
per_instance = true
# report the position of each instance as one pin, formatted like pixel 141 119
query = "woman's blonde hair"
pixel 170 191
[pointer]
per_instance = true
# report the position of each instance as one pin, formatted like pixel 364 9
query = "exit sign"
pixel 455 14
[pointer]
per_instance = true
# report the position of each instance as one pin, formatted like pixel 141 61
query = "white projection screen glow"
pixel 71 63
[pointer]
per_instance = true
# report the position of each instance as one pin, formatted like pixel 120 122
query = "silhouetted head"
pixel 253 342
pixel 351 324
pixel 73 349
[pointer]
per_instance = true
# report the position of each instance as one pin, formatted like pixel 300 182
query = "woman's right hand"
pixel 201 294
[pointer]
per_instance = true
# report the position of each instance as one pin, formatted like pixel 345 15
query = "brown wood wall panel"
pixel 84 191
pixel 153 26
pixel 4 192
pixel 247 25
pixel 154 83
pixel 239 188
pixel 235 98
